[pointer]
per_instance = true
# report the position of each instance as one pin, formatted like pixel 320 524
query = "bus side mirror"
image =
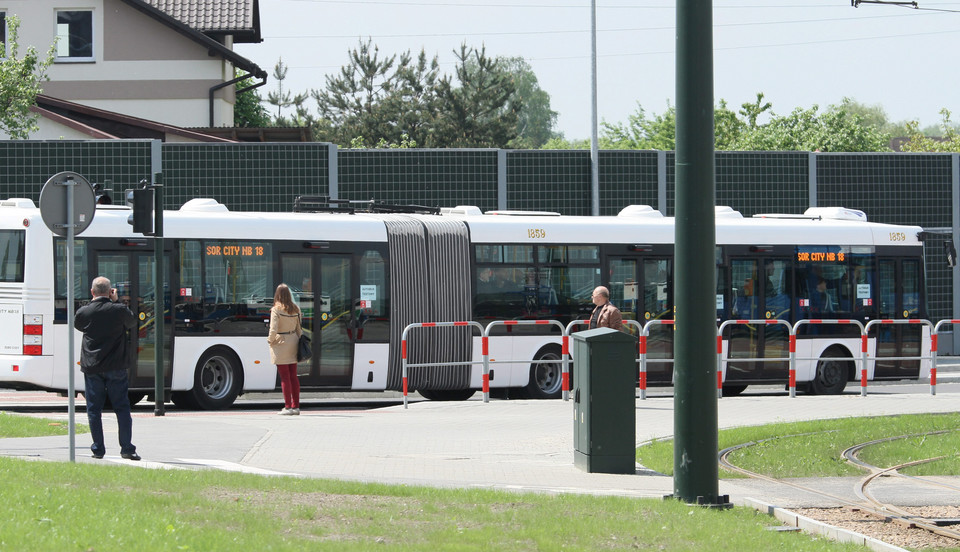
pixel 951 253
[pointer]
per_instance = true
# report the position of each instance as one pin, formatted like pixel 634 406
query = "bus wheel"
pixel 832 375
pixel 183 399
pixel 135 396
pixel 446 394
pixel 218 379
pixel 733 390
pixel 546 379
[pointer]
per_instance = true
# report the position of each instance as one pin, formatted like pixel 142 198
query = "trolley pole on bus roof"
pixel 696 477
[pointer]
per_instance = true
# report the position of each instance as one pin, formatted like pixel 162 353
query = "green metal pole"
pixel 159 316
pixel 695 478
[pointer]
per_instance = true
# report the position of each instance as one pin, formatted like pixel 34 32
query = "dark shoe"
pixel 130 456
pixel 97 455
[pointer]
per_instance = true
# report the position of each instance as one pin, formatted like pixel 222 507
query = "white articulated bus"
pixel 361 277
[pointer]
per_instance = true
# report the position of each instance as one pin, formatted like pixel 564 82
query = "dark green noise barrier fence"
pixel 900 188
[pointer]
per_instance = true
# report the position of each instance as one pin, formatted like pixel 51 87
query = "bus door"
pixel 900 299
pixel 132 274
pixel 320 285
pixel 761 290
pixel 642 288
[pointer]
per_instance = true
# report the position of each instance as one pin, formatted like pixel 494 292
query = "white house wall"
pixel 142 67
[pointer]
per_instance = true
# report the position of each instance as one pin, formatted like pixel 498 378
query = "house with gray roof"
pixel 170 63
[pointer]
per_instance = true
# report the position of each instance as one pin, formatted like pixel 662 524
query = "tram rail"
pixel 867 504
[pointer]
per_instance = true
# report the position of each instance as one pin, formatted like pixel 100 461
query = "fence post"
pixel 934 353
pixel 793 364
pixel 485 356
pixel 565 349
pixel 914 321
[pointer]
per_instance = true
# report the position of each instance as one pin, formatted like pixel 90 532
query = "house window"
pixel 74 35
pixel 3 35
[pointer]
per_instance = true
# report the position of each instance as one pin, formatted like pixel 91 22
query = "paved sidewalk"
pixel 516 444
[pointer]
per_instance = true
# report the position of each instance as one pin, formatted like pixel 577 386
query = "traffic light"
pixel 141 201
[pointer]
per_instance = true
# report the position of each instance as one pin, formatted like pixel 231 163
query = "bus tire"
pixel 733 390
pixel 446 394
pixel 833 372
pixel 183 399
pixel 135 396
pixel 218 379
pixel 546 380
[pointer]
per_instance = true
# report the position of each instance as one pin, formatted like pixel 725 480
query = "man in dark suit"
pixel 107 353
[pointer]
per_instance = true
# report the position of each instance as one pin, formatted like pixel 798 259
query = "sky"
pixel 798 53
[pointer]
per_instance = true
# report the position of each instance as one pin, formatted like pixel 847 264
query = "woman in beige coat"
pixel 285 330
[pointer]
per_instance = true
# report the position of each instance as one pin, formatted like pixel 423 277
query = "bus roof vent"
pixel 524 213
pixel 205 205
pixel 639 211
pixel 836 213
pixel 462 210
pixel 725 212
pixel 19 202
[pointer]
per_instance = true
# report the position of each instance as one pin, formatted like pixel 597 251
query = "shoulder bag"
pixel 304 352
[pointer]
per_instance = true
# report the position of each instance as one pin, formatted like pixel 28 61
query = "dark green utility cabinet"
pixel 604 401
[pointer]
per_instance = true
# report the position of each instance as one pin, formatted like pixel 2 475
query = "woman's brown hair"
pixel 284 298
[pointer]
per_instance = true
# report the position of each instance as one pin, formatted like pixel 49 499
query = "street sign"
pixel 67 205
pixel 54 203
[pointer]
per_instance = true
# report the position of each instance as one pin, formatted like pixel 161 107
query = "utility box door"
pixel 604 395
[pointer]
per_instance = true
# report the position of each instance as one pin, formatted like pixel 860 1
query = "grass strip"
pixel 58 506
pixel 813 448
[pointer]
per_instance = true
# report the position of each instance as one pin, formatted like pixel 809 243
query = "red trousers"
pixel 289 384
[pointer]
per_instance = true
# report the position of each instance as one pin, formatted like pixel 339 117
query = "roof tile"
pixel 209 15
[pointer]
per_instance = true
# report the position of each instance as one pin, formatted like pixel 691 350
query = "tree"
pixel 481 112
pixel 535 120
pixel 808 130
pixel 362 99
pixel 949 141
pixel 248 111
pixel 802 130
pixel 20 80
pixel 641 132
pixel 281 98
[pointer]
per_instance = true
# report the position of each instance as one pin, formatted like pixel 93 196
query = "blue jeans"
pixel 98 387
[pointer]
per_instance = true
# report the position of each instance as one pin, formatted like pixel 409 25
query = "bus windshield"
pixel 11 255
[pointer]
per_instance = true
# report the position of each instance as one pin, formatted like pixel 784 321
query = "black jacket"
pixel 107 336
